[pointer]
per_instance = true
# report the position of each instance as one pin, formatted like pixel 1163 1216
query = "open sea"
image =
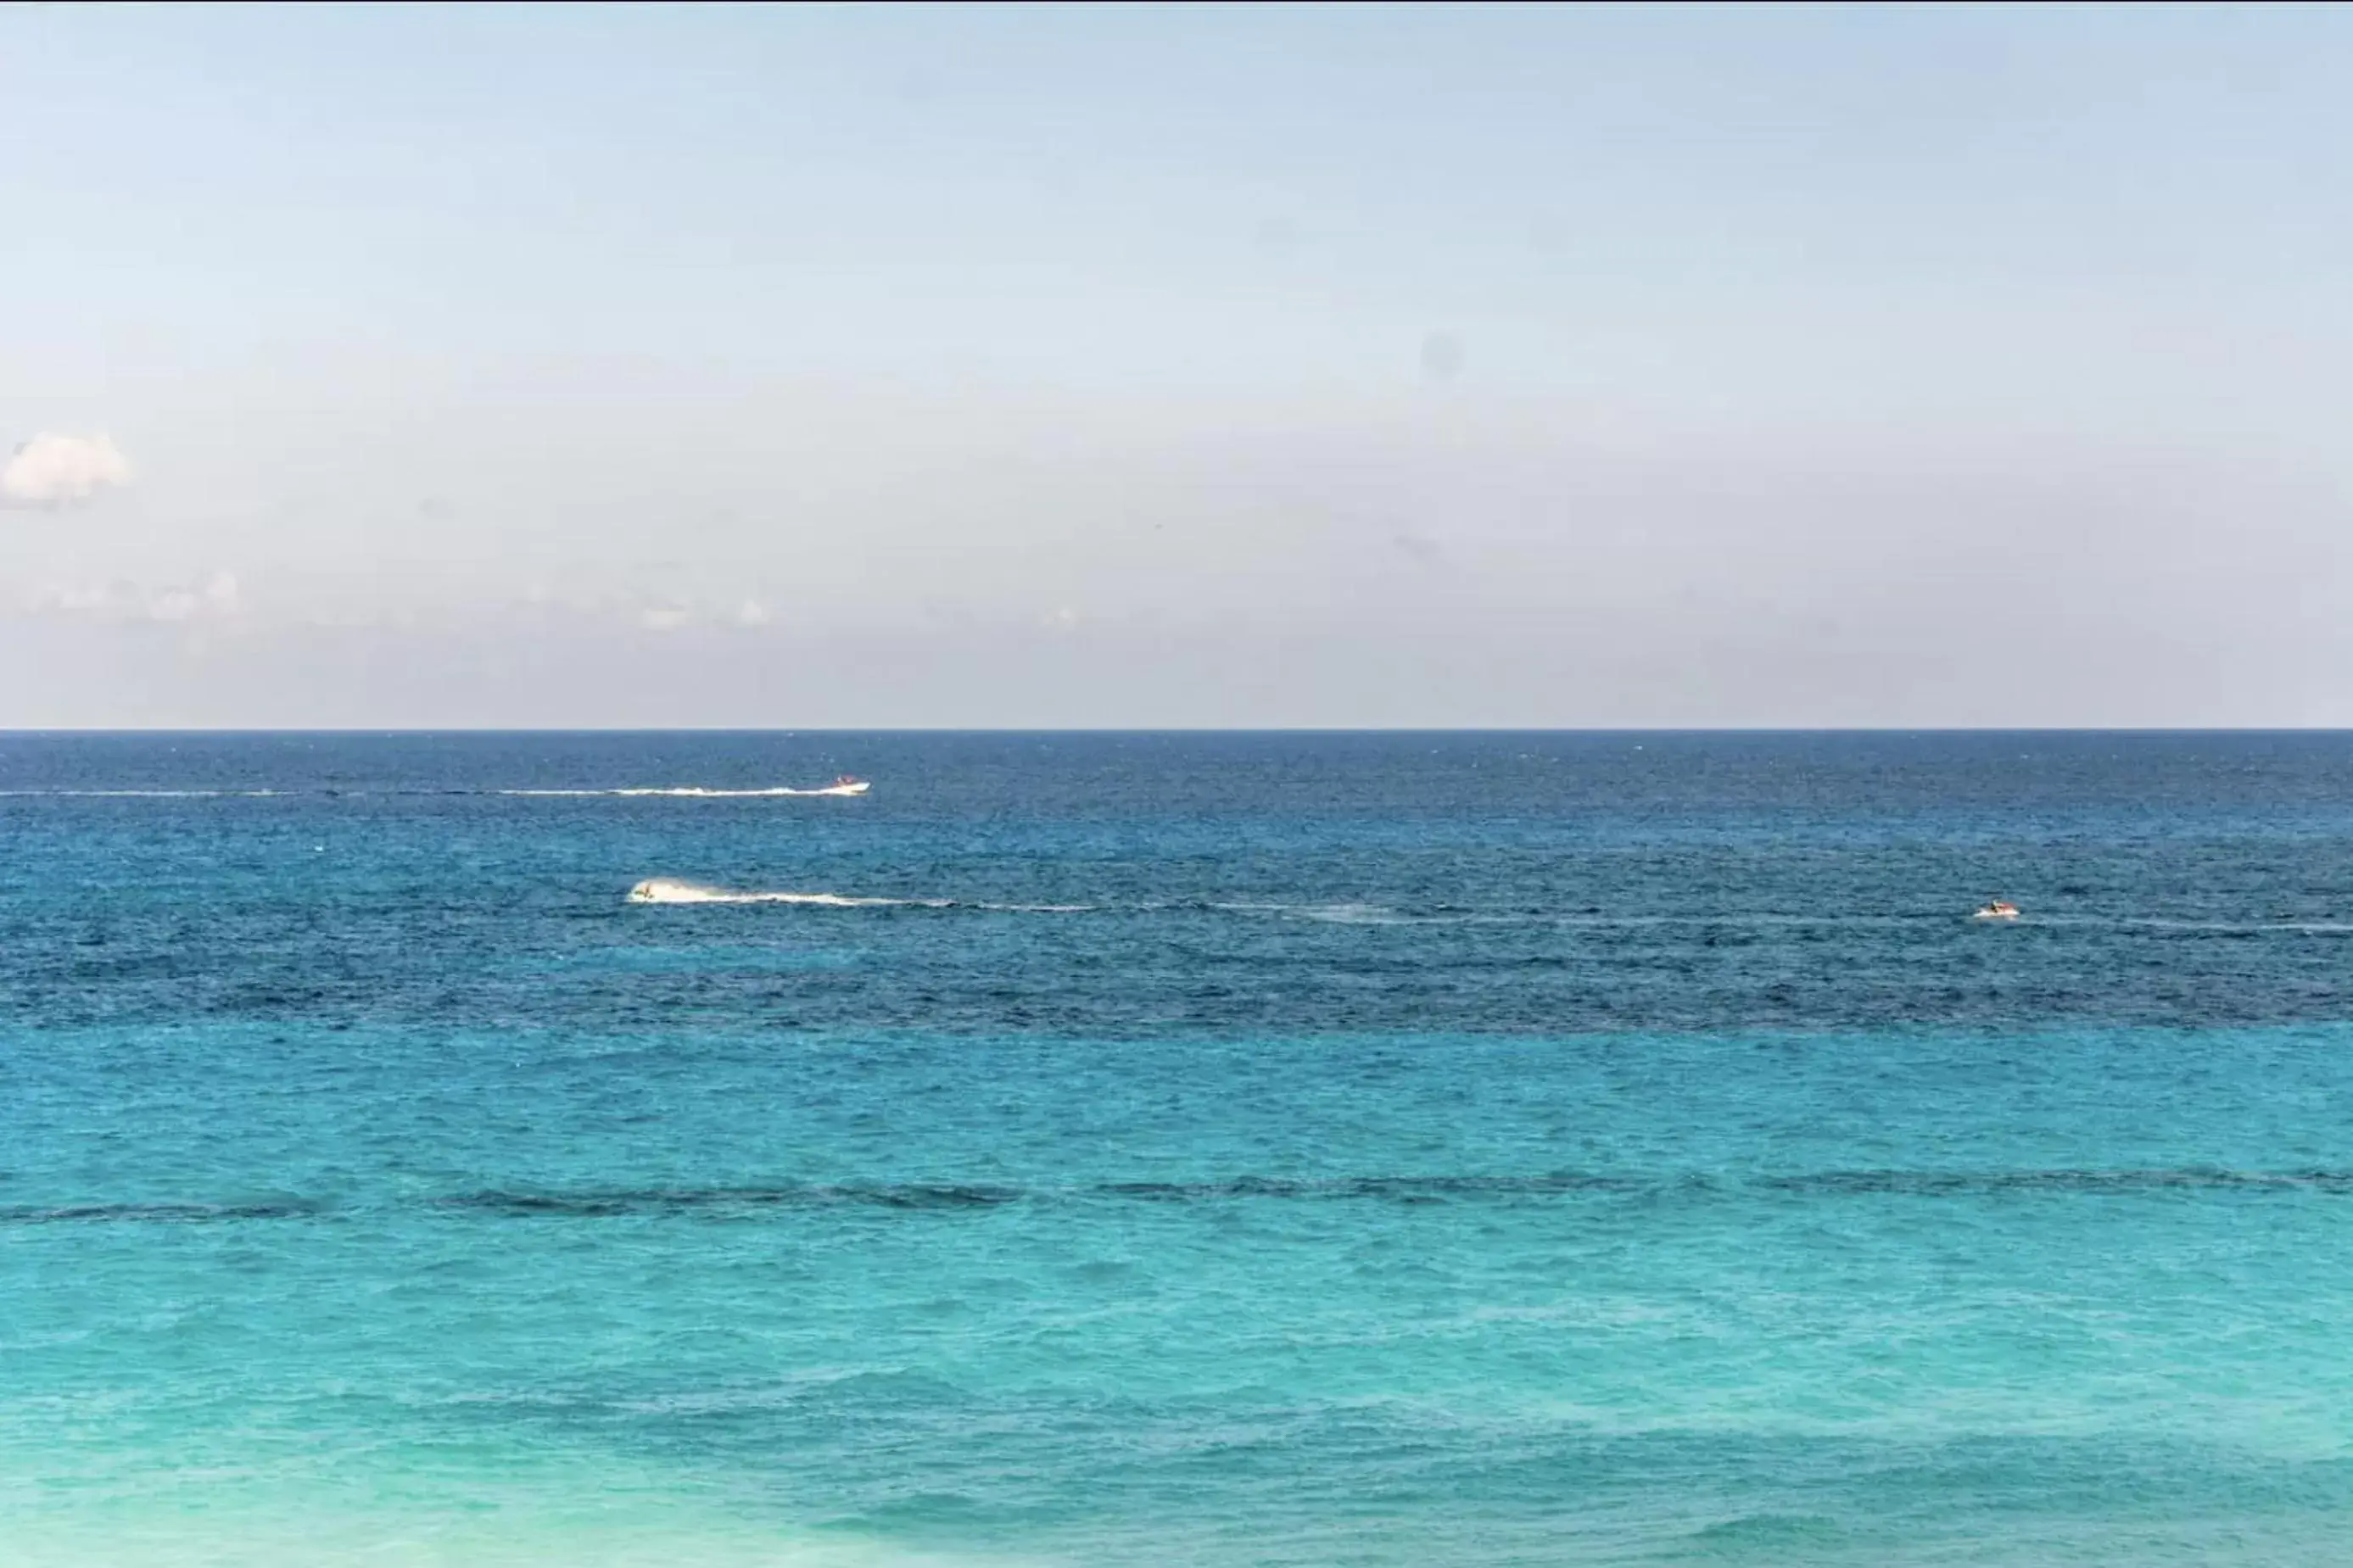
pixel 1176 1148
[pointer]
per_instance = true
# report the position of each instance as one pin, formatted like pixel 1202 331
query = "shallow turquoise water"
pixel 1236 1149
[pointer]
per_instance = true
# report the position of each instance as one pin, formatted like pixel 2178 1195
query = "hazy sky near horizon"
pixel 1172 366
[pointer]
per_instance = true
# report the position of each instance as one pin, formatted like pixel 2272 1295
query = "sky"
pixel 381 367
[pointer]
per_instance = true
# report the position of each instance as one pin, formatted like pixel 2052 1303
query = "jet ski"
pixel 1997 910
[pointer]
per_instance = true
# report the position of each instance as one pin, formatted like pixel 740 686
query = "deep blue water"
pixel 1266 1149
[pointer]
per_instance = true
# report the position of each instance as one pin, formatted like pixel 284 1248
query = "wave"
pixel 606 1203
pixel 609 1203
pixel 2172 1178
pixel 599 1202
pixel 155 1213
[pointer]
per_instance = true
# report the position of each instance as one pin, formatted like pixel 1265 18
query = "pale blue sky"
pixel 1194 366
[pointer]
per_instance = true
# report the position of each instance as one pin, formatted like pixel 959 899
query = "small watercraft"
pixel 1997 910
pixel 845 784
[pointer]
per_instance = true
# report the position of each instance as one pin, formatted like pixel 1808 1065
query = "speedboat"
pixel 1997 910
pixel 845 784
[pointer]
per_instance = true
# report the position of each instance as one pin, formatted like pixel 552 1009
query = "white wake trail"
pixel 671 891
pixel 684 792
pixel 675 890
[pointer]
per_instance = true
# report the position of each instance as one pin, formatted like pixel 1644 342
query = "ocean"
pixel 1245 1149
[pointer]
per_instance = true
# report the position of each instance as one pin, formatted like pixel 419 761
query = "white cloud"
pixel 676 615
pixel 217 598
pixel 61 470
pixel 78 599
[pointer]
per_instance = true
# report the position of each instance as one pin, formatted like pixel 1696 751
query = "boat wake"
pixel 672 891
pixel 843 789
pixel 140 793
pixel 688 792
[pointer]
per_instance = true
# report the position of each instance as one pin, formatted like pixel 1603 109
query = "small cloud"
pixel 217 598
pixel 62 471
pixel 80 599
pixel 645 613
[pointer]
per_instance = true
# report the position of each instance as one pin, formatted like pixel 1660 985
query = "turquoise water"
pixel 1216 1149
